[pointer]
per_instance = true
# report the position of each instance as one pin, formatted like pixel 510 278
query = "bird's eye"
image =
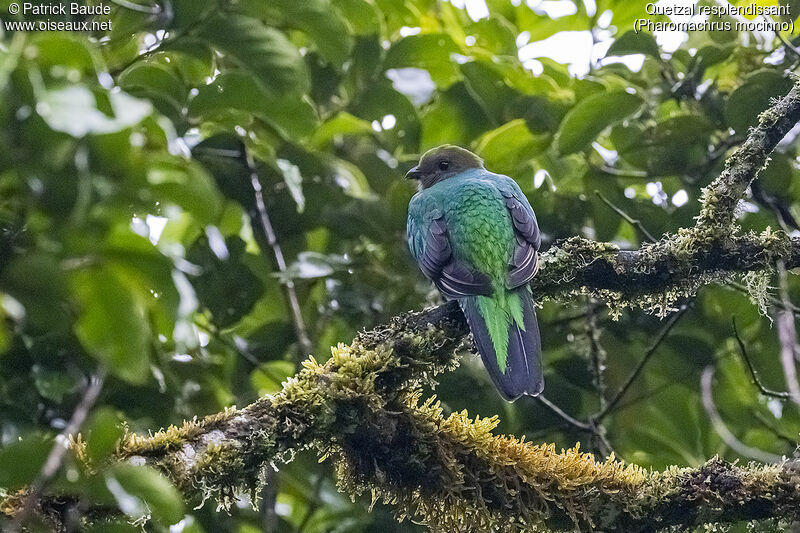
pixel 444 165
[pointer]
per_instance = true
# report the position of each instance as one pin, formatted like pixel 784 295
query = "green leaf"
pixel 350 178
pixel 753 96
pixel 712 54
pixel 103 432
pixel 310 265
pixel 187 185
pixel 187 13
pixel 510 145
pixel 65 50
pixel 267 378
pixel 260 49
pixel 51 384
pixel 74 110
pixel 112 325
pixel 291 115
pixel 495 34
pixel 37 282
pixel 432 52
pixel 668 146
pixel 294 182
pixel 315 18
pixel 341 125
pixel 632 42
pixel 155 81
pixel 591 116
pixel 129 483
pixel 361 15
pixel 227 287
pixel 192 58
pixel 21 461
pixel 776 178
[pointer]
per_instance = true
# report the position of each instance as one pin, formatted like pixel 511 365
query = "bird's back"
pixel 481 231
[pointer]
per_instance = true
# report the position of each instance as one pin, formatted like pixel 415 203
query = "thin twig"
pixel 788 337
pixel 640 366
pixel 57 453
pixel 743 350
pixel 313 506
pixel 597 354
pixel 722 429
pixel 589 427
pixel 788 45
pixel 268 494
pixel 574 422
pixel 636 223
pixel 243 351
pixel 612 171
pixel 291 295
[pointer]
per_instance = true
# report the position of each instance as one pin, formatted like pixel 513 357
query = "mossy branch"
pixel 362 407
pixel 723 194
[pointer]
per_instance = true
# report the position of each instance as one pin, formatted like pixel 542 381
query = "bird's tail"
pixel 506 334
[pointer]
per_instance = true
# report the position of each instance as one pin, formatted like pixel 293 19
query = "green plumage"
pixel 482 235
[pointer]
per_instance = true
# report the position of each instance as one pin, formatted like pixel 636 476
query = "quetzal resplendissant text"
pixel 474 234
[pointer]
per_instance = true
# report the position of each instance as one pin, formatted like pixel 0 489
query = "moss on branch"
pixel 724 193
pixel 362 409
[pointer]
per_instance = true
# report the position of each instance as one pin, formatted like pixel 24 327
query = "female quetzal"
pixel 474 234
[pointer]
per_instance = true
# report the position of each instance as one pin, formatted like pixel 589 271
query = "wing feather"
pixel 524 263
pixel 430 245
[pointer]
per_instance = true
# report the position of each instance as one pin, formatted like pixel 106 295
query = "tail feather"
pixel 523 358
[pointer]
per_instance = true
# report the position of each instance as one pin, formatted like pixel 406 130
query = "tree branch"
pixel 640 366
pixel 753 373
pixel 720 198
pixel 722 429
pixel 362 409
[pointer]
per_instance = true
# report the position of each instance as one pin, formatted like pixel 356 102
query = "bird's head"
pixel 441 163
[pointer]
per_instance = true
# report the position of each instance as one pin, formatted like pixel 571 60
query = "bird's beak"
pixel 413 174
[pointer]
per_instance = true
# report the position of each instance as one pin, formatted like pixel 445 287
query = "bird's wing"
pixel 524 261
pixel 430 245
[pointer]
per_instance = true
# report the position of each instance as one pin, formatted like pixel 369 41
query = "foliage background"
pixel 130 237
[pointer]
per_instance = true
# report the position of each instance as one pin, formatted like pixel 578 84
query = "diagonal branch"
pixel 640 366
pixel 782 395
pixel 57 454
pixel 300 329
pixel 721 196
pixel 722 429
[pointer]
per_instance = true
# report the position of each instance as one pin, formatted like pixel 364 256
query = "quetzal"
pixel 474 234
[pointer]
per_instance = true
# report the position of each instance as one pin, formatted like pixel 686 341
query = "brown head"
pixel 441 163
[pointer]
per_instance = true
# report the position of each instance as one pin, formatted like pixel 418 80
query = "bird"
pixel 474 234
